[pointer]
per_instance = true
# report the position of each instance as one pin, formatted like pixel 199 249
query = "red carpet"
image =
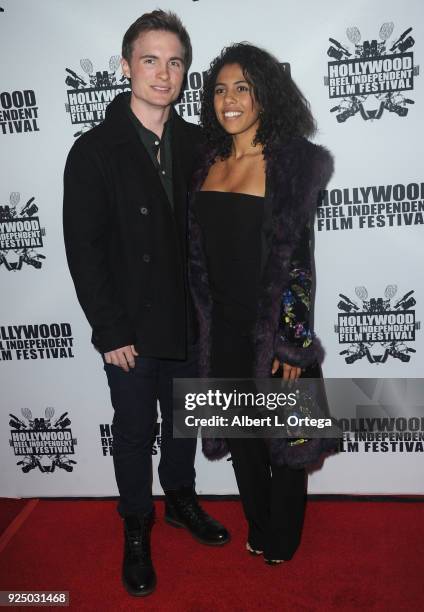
pixel 9 508
pixel 353 555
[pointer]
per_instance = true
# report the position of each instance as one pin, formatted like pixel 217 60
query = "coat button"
pixel 146 258
pixel 144 210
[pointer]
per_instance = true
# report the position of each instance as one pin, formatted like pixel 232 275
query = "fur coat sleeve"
pixel 295 342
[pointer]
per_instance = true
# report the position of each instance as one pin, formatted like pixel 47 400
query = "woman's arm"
pixel 295 343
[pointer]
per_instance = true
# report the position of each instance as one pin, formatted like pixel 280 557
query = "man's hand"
pixel 122 357
pixel 289 372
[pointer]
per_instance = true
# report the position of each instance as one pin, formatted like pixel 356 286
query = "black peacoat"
pixel 126 246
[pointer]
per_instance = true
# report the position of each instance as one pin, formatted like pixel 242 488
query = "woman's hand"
pixel 289 372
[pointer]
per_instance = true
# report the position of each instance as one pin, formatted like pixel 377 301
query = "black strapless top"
pixel 231 225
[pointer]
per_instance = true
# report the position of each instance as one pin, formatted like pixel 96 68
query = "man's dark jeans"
pixel 134 396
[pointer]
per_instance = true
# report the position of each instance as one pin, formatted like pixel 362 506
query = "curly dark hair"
pixel 285 113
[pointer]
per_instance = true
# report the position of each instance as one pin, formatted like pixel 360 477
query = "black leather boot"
pixel 182 509
pixel 138 574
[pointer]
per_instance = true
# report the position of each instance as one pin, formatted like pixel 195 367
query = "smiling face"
pixel 156 69
pixel 235 106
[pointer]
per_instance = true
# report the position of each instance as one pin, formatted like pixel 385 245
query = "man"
pixel 126 185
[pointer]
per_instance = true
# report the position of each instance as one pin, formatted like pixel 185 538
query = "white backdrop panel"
pixel 38 42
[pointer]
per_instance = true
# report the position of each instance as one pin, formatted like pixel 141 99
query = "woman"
pixel 254 196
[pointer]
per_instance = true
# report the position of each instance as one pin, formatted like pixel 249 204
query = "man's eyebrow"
pixel 152 56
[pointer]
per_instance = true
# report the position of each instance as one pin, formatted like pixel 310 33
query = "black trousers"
pixel 273 497
pixel 134 396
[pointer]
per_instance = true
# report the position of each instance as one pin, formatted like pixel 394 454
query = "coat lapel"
pixel 132 157
pixel 266 234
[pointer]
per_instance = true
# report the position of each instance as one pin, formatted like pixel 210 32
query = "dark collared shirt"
pixel 153 144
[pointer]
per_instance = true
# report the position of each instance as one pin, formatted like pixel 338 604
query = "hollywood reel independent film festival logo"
pixel 106 439
pixel 18 112
pixel 42 443
pixel 383 322
pixel 20 234
pixel 89 96
pixel 371 72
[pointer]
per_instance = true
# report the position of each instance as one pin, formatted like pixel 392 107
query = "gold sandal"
pixel 252 551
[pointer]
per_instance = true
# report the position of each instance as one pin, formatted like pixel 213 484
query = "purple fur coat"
pixel 295 174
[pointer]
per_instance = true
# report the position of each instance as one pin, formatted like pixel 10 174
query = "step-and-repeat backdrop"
pixel 358 63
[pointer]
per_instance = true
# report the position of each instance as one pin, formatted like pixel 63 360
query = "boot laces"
pixel 191 508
